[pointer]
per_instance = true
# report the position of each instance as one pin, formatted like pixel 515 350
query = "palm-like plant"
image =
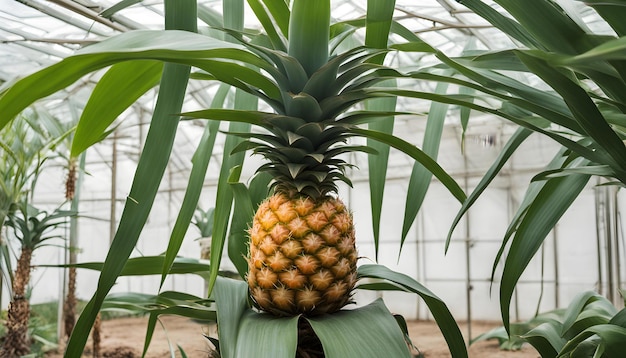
pixel 25 145
pixel 33 228
pixel 302 250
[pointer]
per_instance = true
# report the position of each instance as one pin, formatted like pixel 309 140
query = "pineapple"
pixel 302 254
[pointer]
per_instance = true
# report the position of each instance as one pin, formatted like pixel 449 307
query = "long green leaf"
pixel 543 213
pixel 534 188
pixel 546 339
pixel 150 169
pixel 437 307
pixel 377 26
pixel 147 265
pixel 548 24
pixel 200 163
pixel 256 330
pixel 266 21
pixel 247 199
pixel 612 11
pixel 120 87
pixel 420 176
pixel 377 163
pixel 242 218
pixel 231 298
pixel 280 13
pixel 613 340
pixel 172 45
pixel 224 199
pixel 309 33
pixel 350 333
pixel 575 308
pixel 504 23
pixel 584 110
pixel 109 12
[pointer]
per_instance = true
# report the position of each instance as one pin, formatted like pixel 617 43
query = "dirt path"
pixel 123 338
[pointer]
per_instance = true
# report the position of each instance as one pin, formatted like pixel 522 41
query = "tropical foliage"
pixel 32 228
pixel 571 90
pixel 559 78
pixel 591 326
pixel 26 145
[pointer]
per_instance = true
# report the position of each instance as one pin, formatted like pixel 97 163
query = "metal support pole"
pixel 113 210
pixel 468 246
pixel 599 203
pixel 557 300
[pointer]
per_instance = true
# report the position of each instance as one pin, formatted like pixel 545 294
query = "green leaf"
pixel 224 199
pixel 257 329
pixel 199 165
pixel 241 221
pixel 437 307
pixel 378 24
pixel 272 31
pixel 420 176
pixel 350 333
pixel 231 298
pixel 613 340
pixel 546 339
pixel 150 169
pixel 542 214
pixel 546 22
pixel 576 306
pixel 165 303
pixel 171 45
pixel 309 32
pixel 584 110
pixel 377 163
pixel 612 11
pixel 504 23
pixel 148 265
pixel 109 12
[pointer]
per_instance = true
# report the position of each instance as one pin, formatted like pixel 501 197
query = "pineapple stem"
pixel 309 32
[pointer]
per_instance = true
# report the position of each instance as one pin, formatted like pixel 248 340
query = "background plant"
pixel 26 146
pixel 560 79
pixel 591 326
pixel 33 229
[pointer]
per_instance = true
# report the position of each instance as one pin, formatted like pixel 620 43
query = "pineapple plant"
pixel 301 254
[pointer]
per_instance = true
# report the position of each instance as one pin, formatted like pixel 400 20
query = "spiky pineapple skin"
pixel 302 256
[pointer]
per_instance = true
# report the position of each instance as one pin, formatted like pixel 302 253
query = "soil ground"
pixel 124 337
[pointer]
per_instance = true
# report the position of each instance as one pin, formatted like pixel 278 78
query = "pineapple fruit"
pixel 302 254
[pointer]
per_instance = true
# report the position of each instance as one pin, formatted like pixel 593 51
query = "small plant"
pixel 591 326
pixel 203 220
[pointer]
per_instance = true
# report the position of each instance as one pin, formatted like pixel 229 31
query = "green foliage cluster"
pixel 591 326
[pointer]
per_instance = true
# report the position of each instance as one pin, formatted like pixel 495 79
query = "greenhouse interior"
pixel 312 178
